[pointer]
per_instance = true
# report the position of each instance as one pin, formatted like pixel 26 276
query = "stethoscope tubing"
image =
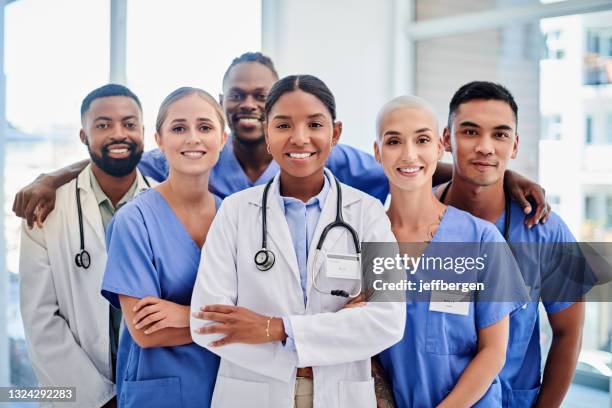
pixel 337 223
pixel 82 259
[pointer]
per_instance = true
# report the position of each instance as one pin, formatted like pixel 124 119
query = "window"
pixel 609 212
pixel 593 42
pixel 589 208
pixel 551 127
pixel 599 41
pixel 588 131
pixel 555 202
pixel 555 48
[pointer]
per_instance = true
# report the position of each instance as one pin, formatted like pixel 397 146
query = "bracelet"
pixel 268 327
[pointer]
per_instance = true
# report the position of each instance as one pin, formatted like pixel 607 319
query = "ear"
pixel 83 136
pixel 515 147
pixel 221 99
pixel 223 139
pixel 441 148
pixel 377 152
pixel 446 140
pixel 158 140
pixel 337 132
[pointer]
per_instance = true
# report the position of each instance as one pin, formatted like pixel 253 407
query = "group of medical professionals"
pixel 208 272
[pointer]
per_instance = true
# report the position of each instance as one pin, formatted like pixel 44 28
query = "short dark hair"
pixel 307 83
pixel 251 57
pixel 482 90
pixel 106 91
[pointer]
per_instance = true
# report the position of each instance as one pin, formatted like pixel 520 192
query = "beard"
pixel 117 167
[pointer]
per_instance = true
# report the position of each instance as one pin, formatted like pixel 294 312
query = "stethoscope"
pixel 264 258
pixel 507 210
pixel 82 259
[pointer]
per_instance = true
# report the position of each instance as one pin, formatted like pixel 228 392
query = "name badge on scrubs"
pixel 450 302
pixel 343 266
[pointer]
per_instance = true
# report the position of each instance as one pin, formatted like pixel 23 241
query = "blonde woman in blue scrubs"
pixel 154 246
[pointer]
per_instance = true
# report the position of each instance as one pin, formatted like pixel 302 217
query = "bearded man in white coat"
pixel 71 332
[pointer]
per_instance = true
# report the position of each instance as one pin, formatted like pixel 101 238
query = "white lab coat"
pixel 337 343
pixel 66 319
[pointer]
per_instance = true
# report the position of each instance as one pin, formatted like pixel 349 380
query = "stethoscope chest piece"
pixel 264 259
pixel 82 259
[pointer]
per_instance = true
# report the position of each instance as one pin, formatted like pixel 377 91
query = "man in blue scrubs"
pixel 482 136
pixel 244 162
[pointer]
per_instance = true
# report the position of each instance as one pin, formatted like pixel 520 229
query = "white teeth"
pixel 193 154
pixel 300 155
pixel 249 120
pixel 409 169
pixel 118 151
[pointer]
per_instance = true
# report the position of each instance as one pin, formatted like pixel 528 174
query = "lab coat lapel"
pixel 91 210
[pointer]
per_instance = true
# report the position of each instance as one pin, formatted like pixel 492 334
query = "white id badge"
pixel 343 266
pixel 450 302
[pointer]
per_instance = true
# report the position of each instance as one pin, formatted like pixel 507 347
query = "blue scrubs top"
pixel 350 165
pixel 150 253
pixel 520 377
pixel 426 364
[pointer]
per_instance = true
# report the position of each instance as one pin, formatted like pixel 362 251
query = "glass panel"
pixel 48 71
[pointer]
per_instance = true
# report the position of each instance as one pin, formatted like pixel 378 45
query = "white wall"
pixel 346 43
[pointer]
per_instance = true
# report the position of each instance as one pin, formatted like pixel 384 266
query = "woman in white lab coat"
pixel 283 338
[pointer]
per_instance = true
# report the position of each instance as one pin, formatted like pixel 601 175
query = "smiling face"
pixel 300 133
pixel 191 135
pixel 482 140
pixel 113 132
pixel 244 96
pixel 409 147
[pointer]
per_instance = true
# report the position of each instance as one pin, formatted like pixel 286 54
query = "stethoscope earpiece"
pixel 264 259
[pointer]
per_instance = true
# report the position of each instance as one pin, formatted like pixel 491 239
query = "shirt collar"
pixel 101 197
pixel 319 199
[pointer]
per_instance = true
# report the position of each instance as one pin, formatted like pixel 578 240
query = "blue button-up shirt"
pixel 302 219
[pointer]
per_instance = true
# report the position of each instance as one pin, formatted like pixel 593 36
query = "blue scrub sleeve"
pixel 129 268
pixel 564 270
pixel 153 164
pixel 359 170
pixel 505 289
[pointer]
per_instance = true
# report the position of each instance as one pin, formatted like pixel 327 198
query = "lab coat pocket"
pixel 449 333
pixel 157 393
pixel 523 398
pixel 358 394
pixel 231 392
